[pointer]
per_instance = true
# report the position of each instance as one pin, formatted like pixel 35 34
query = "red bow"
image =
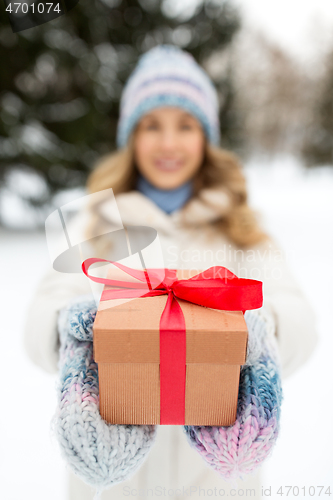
pixel 216 287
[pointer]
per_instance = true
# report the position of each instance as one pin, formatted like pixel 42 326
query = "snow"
pixel 31 465
pixel 301 27
pixel 297 208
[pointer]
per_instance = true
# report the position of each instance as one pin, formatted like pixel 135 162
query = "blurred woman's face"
pixel 168 147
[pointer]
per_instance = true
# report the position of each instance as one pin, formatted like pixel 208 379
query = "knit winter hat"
pixel 168 76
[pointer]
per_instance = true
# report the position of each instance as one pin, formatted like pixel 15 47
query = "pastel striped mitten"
pixel 238 450
pixel 99 453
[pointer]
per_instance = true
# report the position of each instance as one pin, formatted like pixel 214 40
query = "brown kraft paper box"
pixel 126 348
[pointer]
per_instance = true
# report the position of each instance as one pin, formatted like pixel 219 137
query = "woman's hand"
pixel 237 450
pixel 101 454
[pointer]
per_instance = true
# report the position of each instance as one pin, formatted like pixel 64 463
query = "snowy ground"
pixel 297 208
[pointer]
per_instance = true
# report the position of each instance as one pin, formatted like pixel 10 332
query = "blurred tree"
pixel 317 147
pixel 60 82
pixel 273 93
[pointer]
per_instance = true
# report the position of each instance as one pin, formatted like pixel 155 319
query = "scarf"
pixel 168 200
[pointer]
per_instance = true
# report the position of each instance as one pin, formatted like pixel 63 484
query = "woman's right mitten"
pixel 101 454
pixel 237 450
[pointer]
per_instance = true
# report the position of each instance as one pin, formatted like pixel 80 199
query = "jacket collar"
pixel 137 209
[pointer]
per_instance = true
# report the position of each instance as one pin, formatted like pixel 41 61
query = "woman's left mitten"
pixel 101 454
pixel 239 449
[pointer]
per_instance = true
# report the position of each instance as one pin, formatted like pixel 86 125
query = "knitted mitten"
pixel 101 454
pixel 237 450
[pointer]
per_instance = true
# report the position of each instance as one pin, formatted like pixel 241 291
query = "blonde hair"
pixel 219 176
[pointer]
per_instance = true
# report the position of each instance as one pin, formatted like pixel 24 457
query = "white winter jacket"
pixel 172 461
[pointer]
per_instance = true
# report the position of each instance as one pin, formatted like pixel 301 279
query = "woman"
pixel 170 174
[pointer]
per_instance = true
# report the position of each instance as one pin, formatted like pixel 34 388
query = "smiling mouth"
pixel 168 165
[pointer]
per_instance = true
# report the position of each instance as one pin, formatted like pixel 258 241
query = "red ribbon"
pixel 216 287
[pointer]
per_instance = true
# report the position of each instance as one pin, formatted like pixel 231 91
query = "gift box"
pixel 166 372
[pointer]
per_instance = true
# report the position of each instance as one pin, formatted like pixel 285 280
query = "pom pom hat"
pixel 168 76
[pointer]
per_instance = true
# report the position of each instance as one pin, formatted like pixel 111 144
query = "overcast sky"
pixel 302 26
